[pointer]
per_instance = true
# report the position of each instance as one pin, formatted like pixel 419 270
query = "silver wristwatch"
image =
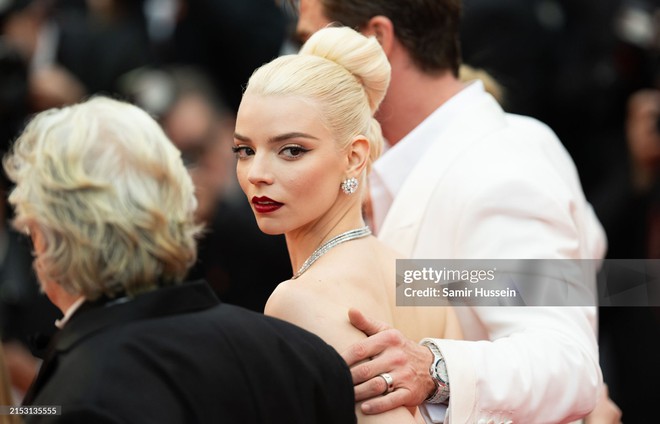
pixel 438 371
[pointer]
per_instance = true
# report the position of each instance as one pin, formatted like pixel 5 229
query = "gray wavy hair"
pixel 110 195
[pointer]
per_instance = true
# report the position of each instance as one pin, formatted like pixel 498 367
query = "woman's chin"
pixel 269 229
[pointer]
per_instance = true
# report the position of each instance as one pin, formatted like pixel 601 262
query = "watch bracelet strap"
pixel 442 392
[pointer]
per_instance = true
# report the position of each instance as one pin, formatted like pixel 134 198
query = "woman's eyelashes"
pixel 242 152
pixel 289 152
pixel 293 152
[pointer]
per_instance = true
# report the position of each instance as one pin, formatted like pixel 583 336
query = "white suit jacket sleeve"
pixel 524 374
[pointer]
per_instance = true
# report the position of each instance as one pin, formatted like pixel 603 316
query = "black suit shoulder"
pixel 220 364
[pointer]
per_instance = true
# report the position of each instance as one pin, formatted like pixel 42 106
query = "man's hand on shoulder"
pixel 387 351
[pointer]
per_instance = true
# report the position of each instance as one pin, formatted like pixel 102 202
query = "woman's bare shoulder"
pixel 303 304
pixel 290 301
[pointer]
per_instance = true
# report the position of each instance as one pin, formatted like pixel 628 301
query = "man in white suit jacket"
pixel 492 186
pixel 465 180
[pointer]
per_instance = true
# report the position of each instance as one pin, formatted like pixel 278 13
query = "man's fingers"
pixel 364 324
pixel 385 403
pixel 370 388
pixel 370 348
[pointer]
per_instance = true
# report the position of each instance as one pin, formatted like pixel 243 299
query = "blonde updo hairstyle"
pixel 110 195
pixel 346 73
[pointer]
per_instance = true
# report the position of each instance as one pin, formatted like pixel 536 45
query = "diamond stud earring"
pixel 349 185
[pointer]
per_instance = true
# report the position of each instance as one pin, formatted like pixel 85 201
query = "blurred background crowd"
pixel 590 69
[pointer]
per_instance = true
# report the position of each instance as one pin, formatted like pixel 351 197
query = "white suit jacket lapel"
pixel 401 225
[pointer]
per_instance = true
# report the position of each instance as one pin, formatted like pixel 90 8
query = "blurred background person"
pixel 628 365
pixel 74 49
pixel 227 38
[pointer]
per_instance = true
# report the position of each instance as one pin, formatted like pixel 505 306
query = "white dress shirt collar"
pixel 69 312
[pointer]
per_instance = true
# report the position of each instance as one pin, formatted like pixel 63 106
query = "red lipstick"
pixel 265 204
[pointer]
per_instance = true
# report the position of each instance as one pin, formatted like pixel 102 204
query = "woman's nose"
pixel 260 170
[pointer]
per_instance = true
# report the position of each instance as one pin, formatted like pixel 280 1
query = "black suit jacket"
pixel 176 355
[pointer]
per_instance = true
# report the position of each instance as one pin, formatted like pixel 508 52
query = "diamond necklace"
pixel 321 250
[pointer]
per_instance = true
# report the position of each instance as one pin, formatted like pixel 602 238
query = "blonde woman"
pixel 305 137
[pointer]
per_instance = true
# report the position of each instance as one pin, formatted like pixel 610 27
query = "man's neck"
pixel 412 97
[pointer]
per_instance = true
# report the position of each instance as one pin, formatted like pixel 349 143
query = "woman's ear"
pixel 382 28
pixel 358 156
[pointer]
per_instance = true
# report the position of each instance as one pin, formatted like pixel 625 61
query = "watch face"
pixel 441 370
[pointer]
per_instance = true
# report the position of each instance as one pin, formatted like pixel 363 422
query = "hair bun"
pixel 361 56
